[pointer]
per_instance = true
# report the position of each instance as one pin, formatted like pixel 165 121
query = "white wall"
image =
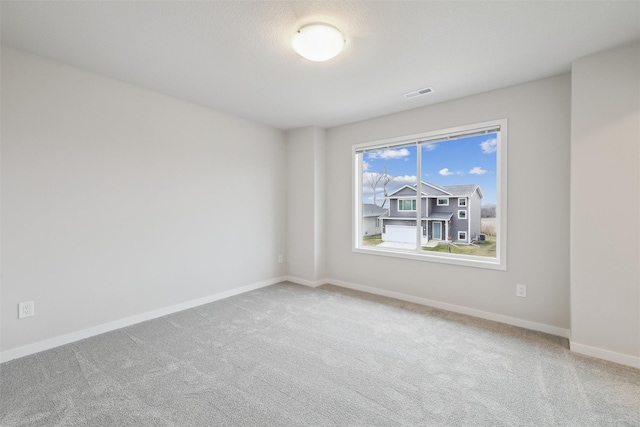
pixel 538 116
pixel 118 201
pixel 306 205
pixel 605 205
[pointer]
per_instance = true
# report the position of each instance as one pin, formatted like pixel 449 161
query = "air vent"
pixel 418 92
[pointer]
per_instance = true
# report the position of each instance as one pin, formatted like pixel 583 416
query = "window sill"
pixel 441 258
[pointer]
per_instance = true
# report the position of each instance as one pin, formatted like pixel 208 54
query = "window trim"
pixel 462 238
pixel 462 205
pixel 499 126
pixel 462 212
pixel 442 204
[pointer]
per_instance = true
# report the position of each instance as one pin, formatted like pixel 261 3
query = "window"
pixel 466 164
pixel 407 205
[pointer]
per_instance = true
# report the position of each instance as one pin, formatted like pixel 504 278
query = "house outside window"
pixel 459 197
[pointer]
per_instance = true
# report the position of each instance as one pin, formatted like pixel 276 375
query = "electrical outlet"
pixel 26 309
pixel 280 259
pixel 521 291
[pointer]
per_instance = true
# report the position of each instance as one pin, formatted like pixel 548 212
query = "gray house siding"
pixel 458 224
pixel 444 209
pixel 394 212
pixel 475 205
pixel 445 216
pixel 405 192
pixel 450 208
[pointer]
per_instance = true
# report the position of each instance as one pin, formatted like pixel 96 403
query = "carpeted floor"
pixel 290 355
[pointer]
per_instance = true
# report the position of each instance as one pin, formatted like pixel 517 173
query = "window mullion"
pixel 418 199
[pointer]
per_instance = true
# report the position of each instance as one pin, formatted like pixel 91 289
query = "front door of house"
pixel 437 230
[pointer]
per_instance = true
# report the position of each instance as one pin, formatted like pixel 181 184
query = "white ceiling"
pixel 234 56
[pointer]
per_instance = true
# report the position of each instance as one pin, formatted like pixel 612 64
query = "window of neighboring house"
pixel 377 222
pixel 466 163
pixel 407 205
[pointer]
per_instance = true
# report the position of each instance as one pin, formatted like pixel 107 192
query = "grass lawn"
pixel 487 248
pixel 372 240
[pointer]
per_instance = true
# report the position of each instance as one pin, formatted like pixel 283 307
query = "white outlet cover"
pixel 26 309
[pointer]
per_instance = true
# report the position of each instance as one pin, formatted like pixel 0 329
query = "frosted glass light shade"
pixel 318 42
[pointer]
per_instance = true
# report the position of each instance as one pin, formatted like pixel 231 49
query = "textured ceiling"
pixel 234 56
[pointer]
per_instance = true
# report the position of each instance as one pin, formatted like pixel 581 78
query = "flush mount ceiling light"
pixel 318 42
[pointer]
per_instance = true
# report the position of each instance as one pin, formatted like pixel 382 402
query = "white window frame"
pixel 442 204
pixel 462 202
pixel 500 261
pixel 462 214
pixel 406 210
pixel 464 237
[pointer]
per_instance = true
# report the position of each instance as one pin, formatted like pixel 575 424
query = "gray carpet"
pixel 289 355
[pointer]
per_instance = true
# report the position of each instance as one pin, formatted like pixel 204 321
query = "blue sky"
pixel 469 160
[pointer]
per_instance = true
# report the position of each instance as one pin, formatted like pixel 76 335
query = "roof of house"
pixel 429 189
pixel 432 190
pixel 435 216
pixel 371 210
pixel 462 190
pixel 440 215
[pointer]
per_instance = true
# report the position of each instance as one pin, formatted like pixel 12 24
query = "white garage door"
pixel 401 233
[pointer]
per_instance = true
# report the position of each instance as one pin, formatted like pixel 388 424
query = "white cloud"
pixel 365 166
pixel 477 171
pixel 389 154
pixel 447 172
pixel 489 146
pixel 430 146
pixel 405 179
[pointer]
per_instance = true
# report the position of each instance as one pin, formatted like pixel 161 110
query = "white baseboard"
pixel 527 324
pixel 305 282
pixel 47 344
pixel 611 356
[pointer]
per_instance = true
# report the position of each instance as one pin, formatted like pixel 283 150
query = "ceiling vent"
pixel 418 92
